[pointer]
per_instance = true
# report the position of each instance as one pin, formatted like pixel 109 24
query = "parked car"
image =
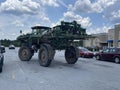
pixel 84 52
pixel 2 50
pixel 11 47
pixel 109 54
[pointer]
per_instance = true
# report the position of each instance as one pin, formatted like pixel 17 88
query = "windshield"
pixel 84 49
pixel 34 31
pixel 41 31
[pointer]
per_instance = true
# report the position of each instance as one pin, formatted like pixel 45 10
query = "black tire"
pixel 45 55
pixel 83 56
pixel 98 57
pixel 25 53
pixel 2 61
pixel 71 55
pixel 117 60
pixel 91 56
pixel 0 69
pixel 51 51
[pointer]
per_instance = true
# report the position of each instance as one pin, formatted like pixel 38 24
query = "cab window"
pixel 106 50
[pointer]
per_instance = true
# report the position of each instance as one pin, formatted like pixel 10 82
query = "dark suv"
pixel 109 54
pixel 2 50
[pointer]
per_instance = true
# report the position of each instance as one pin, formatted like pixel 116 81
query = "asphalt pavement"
pixel 86 74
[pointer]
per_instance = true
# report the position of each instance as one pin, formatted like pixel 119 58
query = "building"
pixel 114 36
pixel 101 40
pixel 97 41
pixel 110 37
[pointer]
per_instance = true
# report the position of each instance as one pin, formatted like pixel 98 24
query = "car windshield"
pixel 11 45
pixel 106 50
pixel 37 31
pixel 109 50
pixel 84 49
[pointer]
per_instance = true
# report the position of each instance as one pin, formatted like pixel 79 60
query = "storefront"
pixel 110 43
pixel 118 43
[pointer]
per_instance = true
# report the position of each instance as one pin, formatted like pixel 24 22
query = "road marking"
pixel 13 76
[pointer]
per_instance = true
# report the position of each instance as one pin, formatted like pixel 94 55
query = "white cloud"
pixel 106 3
pixel 22 13
pixel 109 9
pixel 96 7
pixel 17 7
pixel 112 13
pixel 83 5
pixel 70 16
pixel 103 29
pixel 89 6
pixel 18 23
pixel 44 18
pixel 50 3
pixel 116 15
pixel 62 3
pixel 1 33
pixel 26 31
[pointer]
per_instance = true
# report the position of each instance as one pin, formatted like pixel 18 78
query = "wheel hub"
pixel 97 57
pixel 117 60
pixel 43 56
pixel 70 55
pixel 24 53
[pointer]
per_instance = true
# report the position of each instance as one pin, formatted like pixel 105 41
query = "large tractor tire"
pixel 51 51
pixel 25 53
pixel 46 55
pixel 71 54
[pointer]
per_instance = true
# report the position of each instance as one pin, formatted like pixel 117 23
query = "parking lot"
pixel 86 74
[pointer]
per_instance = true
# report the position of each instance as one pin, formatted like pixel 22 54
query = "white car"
pixel 11 47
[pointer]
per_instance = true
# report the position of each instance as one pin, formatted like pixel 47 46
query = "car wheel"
pixel 98 57
pixel 117 60
pixel 83 56
pixel 91 57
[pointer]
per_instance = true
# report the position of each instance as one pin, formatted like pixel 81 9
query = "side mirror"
pixel 2 49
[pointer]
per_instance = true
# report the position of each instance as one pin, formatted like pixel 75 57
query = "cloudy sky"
pixel 96 16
